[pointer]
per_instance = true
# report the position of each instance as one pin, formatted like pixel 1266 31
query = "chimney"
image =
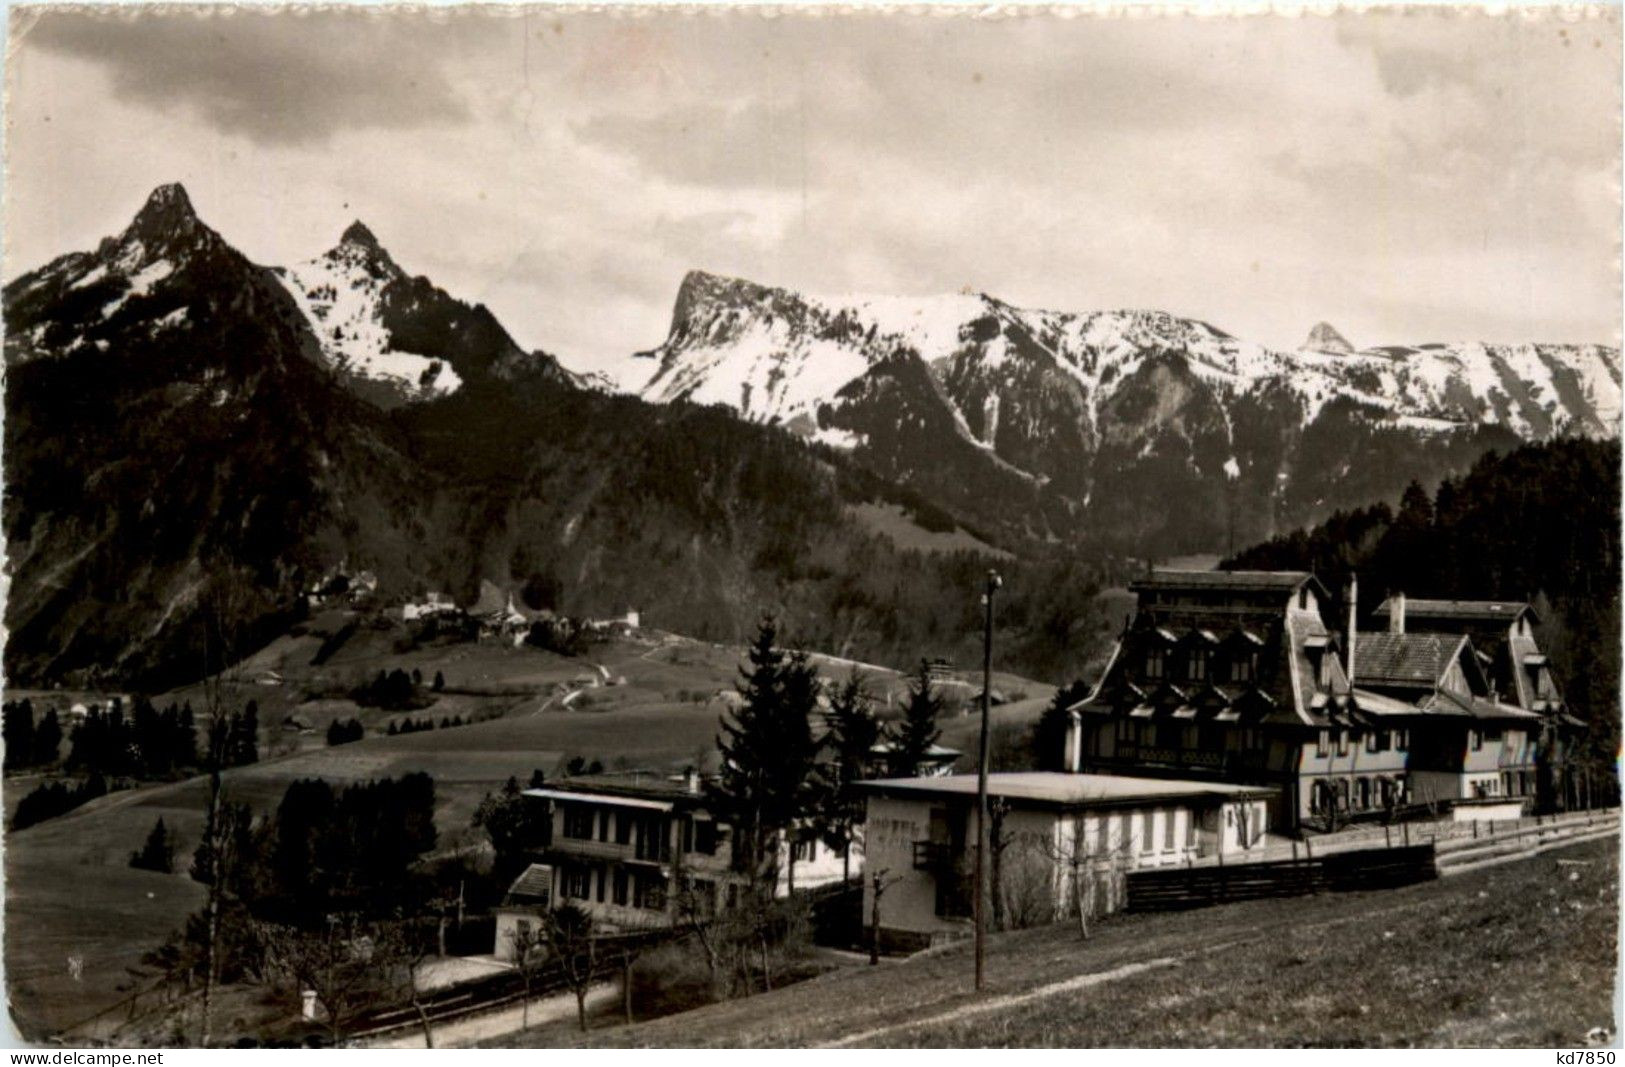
pixel 1074 742
pixel 1354 620
pixel 1396 613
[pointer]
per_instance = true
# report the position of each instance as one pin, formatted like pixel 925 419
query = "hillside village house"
pixel 1054 833
pixel 1234 676
pixel 634 850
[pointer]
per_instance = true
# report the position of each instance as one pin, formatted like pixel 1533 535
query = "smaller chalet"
pixel 635 848
pixel 1051 827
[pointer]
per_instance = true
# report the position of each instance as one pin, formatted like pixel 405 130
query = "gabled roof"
pixel 535 883
pixel 1239 581
pixel 1471 610
pixel 1405 659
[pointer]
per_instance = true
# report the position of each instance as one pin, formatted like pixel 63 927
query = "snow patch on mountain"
pixel 341 295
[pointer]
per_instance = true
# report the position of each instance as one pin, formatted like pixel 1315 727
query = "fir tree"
pixel 918 731
pixel 767 752
pixel 853 733
pixel 158 854
pixel 1049 732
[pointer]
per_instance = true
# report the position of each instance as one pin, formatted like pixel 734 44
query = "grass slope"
pixel 1522 954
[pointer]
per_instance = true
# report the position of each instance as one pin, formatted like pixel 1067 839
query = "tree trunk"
pixel 626 986
pixel 581 1007
pixel 423 1020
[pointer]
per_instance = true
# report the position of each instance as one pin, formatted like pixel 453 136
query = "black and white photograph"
pixel 813 527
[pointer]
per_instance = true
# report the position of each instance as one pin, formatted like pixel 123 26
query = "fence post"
pixel 1406 828
pixel 1387 836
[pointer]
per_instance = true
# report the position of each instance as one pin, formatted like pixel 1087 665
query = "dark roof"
pixel 536 883
pixel 1241 581
pixel 1414 659
pixel 1476 610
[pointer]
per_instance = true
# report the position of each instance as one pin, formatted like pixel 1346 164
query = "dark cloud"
pixel 276 78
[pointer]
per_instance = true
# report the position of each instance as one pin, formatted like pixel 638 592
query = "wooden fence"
pixel 1177 888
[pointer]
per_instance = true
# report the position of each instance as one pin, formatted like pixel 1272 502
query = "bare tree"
pixel 336 961
pixel 529 953
pixel 880 883
pixel 1084 861
pixel 572 942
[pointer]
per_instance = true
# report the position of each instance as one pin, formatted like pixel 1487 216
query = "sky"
pixel 1429 176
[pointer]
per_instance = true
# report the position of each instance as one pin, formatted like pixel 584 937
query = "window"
pixel 623 828
pixel 799 849
pixel 705 837
pixel 1168 829
pixel 1475 740
pixel 603 825
pixel 649 893
pixel 1303 598
pixel 1402 740
pixel 1191 737
pixel 577 883
pixel 1196 664
pixel 523 935
pixel 578 822
pixel 1155 661
pixel 1125 731
pixel 1323 743
pixel 1143 826
pixel 619 893
pixel 1342 742
pixel 603 878
pixel 1243 667
pixel 1190 829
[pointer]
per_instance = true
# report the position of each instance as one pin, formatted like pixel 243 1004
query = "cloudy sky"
pixel 1406 177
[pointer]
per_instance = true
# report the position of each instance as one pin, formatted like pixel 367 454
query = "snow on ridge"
pixel 340 296
pixel 773 364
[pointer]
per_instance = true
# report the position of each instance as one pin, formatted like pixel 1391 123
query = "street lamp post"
pixel 993 584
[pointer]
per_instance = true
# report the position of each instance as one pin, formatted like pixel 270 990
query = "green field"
pixel 1521 954
pixel 70 892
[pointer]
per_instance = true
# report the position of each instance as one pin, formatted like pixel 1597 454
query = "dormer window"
pixel 1156 661
pixel 1244 667
pixel 1196 664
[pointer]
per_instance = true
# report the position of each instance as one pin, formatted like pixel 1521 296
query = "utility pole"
pixel 993 584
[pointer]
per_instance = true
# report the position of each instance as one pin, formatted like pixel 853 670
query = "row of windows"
pixel 1375 741
pixel 1199 666
pixel 1357 794
pixel 623 887
pixel 1201 737
pixel 649 833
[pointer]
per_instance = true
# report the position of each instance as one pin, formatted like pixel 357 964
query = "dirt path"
pixel 1082 981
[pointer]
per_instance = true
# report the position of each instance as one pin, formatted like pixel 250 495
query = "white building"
pixel 920 840
pixel 635 849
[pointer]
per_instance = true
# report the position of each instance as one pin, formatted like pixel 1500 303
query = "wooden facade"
pixel 1237 676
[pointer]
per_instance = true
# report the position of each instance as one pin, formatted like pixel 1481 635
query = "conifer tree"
pixel 767 752
pixel 918 731
pixel 158 853
pixel 853 733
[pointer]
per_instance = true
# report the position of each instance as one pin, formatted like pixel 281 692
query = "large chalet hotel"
pixel 1235 676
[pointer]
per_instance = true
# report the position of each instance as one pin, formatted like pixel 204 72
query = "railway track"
pixel 488 994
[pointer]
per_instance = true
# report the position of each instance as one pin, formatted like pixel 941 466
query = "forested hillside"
pixel 1540 523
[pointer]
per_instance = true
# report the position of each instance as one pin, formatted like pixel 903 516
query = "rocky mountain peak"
pixel 357 234
pixel 1325 338
pixel 166 220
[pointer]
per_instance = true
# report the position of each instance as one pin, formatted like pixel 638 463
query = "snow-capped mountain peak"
pixel 343 296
